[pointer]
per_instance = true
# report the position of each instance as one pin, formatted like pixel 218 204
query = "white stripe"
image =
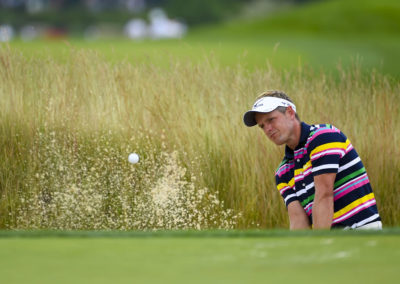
pixel 349 164
pixel 371 226
pixel 283 189
pixel 300 192
pixel 327 152
pixel 298 177
pixel 349 148
pixel 363 222
pixel 290 196
pixel 307 172
pixel 327 166
pixel 307 188
pixel 309 205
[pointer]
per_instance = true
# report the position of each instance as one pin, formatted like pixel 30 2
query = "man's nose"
pixel 267 128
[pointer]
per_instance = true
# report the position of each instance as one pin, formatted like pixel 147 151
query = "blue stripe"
pixel 352 184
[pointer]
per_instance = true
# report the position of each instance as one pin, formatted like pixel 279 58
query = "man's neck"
pixel 295 138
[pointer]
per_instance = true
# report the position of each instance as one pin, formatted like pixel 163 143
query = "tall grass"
pixel 67 128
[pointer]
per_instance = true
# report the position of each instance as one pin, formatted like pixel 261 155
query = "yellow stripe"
pixel 298 172
pixel 333 145
pixel 283 184
pixel 303 169
pixel 307 165
pixel 353 205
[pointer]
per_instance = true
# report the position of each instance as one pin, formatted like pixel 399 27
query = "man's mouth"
pixel 272 135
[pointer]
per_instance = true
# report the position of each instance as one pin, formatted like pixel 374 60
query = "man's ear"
pixel 291 112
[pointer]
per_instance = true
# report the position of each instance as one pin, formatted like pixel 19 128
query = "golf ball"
pixel 133 158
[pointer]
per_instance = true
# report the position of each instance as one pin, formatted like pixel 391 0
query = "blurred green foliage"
pixel 197 12
pixel 340 17
pixel 74 14
pixel 73 19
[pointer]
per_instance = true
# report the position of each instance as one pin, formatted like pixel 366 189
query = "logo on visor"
pixel 258 105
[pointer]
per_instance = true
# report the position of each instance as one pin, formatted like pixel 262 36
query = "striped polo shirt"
pixel 325 149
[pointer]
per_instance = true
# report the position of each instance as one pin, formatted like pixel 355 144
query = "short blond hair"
pixel 277 94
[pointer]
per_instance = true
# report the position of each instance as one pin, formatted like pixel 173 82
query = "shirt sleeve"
pixel 327 147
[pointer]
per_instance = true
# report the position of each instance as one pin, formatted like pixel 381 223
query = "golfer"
pixel 321 177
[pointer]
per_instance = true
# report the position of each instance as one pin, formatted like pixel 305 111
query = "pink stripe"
pixel 321 132
pixel 299 154
pixel 284 189
pixel 349 148
pixel 354 211
pixel 283 170
pixel 303 176
pixel 354 186
pixel 351 189
pixel 308 208
pixel 351 181
pixel 298 178
pixel 331 151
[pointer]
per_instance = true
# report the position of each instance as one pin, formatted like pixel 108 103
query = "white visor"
pixel 264 105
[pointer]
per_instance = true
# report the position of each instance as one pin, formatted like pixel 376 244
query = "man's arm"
pixel 322 210
pixel 297 216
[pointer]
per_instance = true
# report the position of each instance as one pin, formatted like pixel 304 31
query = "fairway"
pixel 200 257
pixel 283 51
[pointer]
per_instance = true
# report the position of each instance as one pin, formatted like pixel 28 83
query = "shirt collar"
pixel 305 132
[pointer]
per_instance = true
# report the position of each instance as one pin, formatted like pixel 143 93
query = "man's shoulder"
pixel 316 128
pixel 324 132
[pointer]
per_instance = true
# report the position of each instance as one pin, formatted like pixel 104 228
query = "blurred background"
pixel 286 33
pixel 30 19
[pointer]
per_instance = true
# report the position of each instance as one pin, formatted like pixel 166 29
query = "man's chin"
pixel 277 142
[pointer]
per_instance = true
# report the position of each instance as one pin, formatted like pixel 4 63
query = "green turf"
pixel 320 35
pixel 282 51
pixel 340 17
pixel 203 257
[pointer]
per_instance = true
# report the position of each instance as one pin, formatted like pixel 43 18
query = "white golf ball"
pixel 133 158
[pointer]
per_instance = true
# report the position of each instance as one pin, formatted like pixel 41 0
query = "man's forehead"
pixel 261 115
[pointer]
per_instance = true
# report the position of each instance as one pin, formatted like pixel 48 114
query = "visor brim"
pixel 249 118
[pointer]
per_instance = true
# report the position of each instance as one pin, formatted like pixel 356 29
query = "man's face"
pixel 277 126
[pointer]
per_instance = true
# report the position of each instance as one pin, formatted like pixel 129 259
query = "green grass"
pixel 202 257
pixel 283 51
pixel 320 34
pixel 336 17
